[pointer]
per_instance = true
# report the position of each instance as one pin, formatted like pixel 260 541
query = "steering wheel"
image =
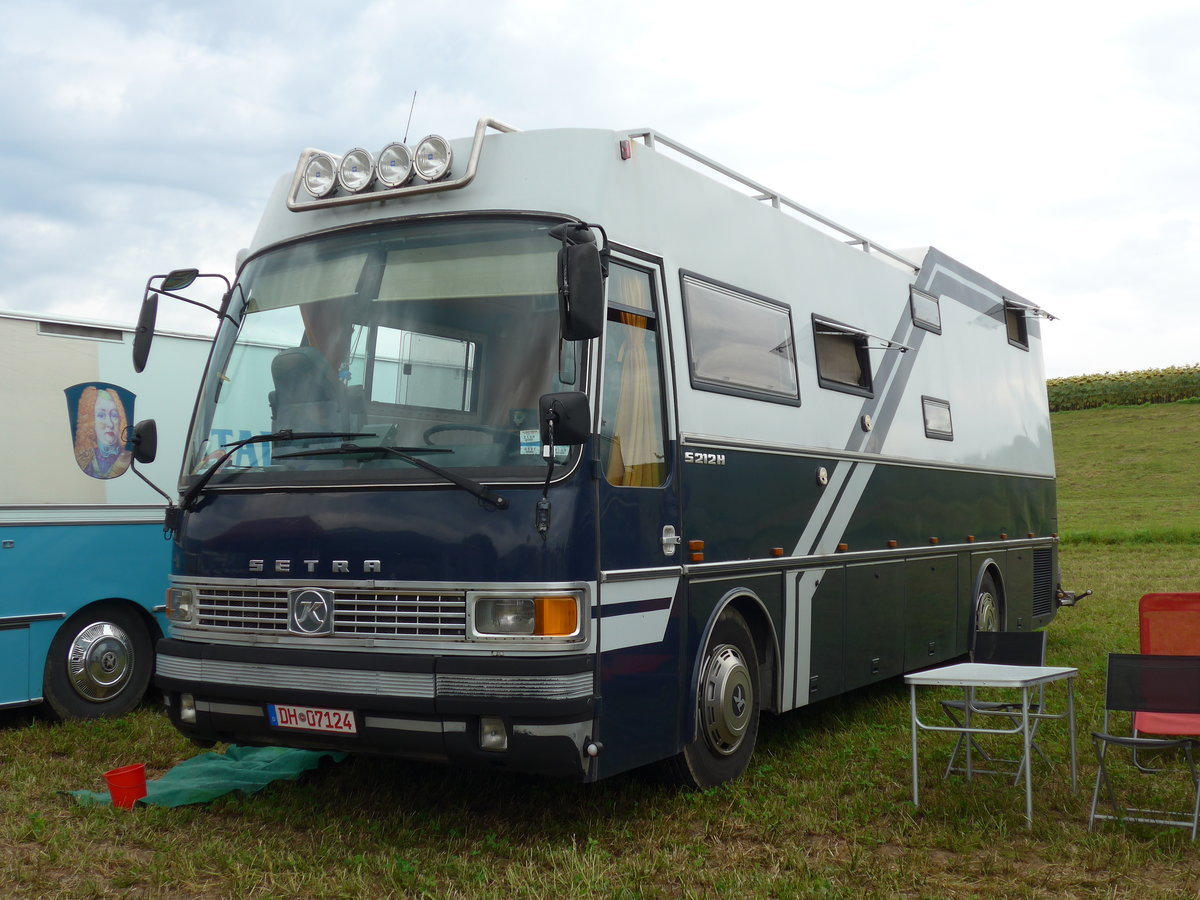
pixel 498 435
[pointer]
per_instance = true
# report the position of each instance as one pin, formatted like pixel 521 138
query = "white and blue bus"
pixel 571 451
pixel 83 560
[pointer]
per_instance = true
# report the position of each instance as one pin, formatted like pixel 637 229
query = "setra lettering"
pixel 314 566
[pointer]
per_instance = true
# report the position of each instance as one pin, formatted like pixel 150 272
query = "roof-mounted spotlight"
pixel 319 175
pixel 357 170
pixel 395 165
pixel 433 158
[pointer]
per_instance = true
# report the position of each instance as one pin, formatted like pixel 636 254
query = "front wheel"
pixel 99 663
pixel 727 707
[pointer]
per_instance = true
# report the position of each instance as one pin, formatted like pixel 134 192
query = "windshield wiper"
pixel 406 453
pixel 287 434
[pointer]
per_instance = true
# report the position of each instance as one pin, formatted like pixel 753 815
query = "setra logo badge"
pixel 310 611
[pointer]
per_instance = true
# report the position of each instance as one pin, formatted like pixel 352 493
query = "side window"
pixel 926 310
pixel 738 343
pixel 632 426
pixel 1016 325
pixel 843 363
pixel 938 424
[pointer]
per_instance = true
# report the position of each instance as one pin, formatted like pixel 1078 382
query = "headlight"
pixel 433 158
pixel 181 604
pixel 395 166
pixel 319 178
pixel 544 616
pixel 357 170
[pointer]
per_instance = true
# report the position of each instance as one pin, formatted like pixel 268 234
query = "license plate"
pixel 311 718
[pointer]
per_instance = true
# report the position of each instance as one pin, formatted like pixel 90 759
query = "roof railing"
pixel 651 137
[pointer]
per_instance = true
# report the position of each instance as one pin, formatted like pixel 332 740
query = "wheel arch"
pixel 766 646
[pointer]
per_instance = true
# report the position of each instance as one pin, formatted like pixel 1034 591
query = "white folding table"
pixel 971 676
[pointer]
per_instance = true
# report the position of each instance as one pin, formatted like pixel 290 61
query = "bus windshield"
pixel 435 337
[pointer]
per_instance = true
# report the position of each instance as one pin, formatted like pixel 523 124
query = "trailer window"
pixel 632 435
pixel 428 370
pixel 1016 325
pixel 843 363
pixel 738 343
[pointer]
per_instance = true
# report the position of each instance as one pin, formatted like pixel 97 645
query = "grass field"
pixel 825 810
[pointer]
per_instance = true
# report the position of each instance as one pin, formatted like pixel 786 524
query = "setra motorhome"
pixel 579 455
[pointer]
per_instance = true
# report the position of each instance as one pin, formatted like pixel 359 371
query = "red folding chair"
pixel 1169 625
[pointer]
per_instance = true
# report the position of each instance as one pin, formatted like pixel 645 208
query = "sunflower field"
pixel 1124 388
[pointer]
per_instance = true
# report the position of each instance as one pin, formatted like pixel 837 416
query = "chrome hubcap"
pixel 100 661
pixel 726 699
pixel 987 612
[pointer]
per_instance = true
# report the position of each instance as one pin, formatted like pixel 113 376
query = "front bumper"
pixel 419 707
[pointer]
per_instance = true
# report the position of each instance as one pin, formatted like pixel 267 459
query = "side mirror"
pixel 145 441
pixel 144 336
pixel 581 271
pixel 570 415
pixel 178 279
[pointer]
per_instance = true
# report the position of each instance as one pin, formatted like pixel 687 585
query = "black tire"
pixel 988 611
pixel 727 707
pixel 99 663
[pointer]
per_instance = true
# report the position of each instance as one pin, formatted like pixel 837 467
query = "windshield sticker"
pixel 99 417
pixel 531 442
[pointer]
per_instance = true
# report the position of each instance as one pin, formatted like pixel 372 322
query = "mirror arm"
pixel 216 312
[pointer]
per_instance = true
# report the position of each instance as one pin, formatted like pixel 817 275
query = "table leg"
pixel 1071 731
pixel 969 701
pixel 1027 741
pixel 912 699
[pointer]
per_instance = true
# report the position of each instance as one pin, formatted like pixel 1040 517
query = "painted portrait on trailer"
pixel 100 415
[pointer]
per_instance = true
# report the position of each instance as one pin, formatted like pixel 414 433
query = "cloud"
pixel 1051 150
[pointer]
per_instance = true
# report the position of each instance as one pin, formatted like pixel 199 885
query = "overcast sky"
pixel 1053 146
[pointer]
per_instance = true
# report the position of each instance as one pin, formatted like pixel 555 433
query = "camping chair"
pixel 1168 624
pixel 1155 684
pixel 1007 648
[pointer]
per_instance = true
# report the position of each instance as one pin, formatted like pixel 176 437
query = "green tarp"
pixel 210 775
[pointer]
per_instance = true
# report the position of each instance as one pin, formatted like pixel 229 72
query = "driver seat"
pixel 308 395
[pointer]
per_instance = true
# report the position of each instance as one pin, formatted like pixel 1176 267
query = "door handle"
pixel 670 540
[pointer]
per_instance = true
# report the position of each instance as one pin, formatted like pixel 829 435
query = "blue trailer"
pixel 83 560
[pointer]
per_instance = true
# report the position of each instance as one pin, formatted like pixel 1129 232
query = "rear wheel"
pixel 987 605
pixel 99 663
pixel 727 707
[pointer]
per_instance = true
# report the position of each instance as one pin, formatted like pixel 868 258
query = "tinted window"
pixel 739 343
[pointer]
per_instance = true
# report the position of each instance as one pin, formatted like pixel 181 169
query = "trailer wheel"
pixel 987 605
pixel 727 707
pixel 99 663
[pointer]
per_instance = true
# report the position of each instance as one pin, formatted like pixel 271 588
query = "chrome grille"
pixel 379 614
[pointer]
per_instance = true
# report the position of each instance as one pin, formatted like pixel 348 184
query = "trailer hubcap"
pixel 726 699
pixel 100 661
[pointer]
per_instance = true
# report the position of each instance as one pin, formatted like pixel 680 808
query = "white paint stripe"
pixel 805 587
pixel 635 629
pixel 808 539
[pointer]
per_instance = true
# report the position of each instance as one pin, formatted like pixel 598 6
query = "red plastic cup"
pixel 127 784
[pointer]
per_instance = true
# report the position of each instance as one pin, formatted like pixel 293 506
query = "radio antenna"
pixel 409 123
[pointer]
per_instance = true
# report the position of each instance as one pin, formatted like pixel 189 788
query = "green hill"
pixel 1129 474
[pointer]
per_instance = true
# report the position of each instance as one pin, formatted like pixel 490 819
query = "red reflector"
pixel 626 149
